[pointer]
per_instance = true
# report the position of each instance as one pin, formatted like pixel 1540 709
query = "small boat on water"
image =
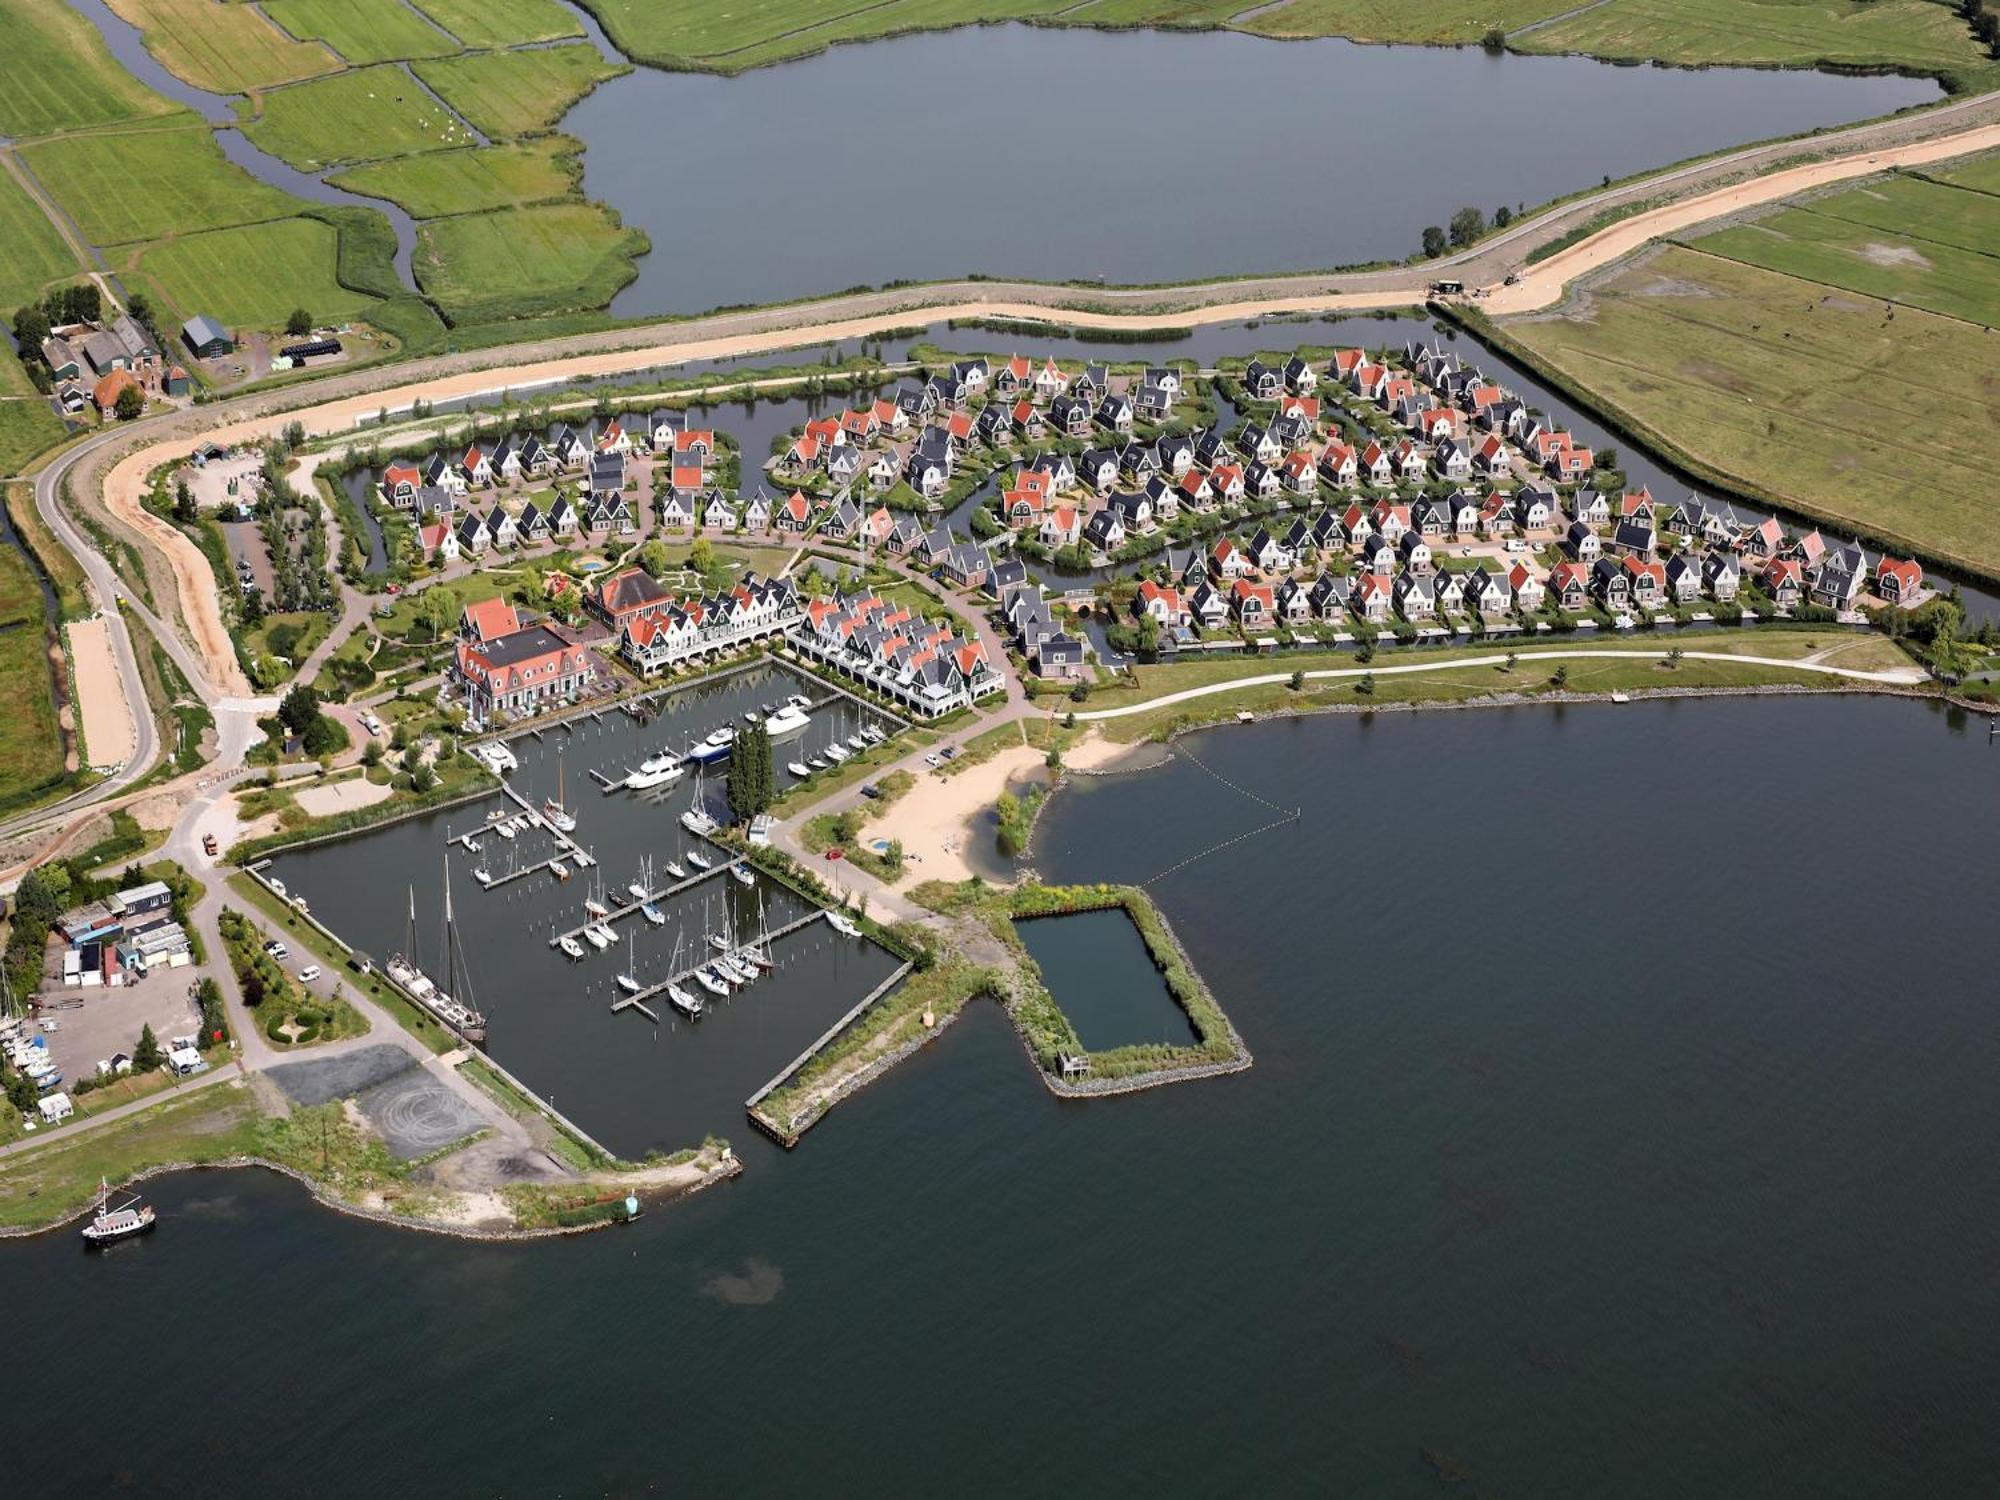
pixel 653 914
pixel 710 982
pixel 629 984
pixel 726 967
pixel 109 1225
pixel 597 937
pixel 715 747
pixel 558 869
pixel 741 875
pixel 842 924
pixel 481 874
pixel 817 763
pixel 788 720
pixel 595 907
pixel 570 946
pixel 505 830
pixel 799 700
pixel 719 942
pixel 498 815
pixel 798 768
pixel 640 891
pixel 687 1004
pixel 856 742
pixel 837 751
pixel 628 981
pixel 873 734
pixel 694 820
pixel 676 869
pixel 471 844
pixel 555 811
pixel 699 860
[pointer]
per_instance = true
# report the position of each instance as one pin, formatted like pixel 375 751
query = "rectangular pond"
pixel 1096 966
pixel 631 1083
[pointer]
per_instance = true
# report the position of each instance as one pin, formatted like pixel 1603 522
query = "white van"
pixel 309 973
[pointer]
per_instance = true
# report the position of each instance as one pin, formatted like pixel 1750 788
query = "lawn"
pixel 61 76
pixel 208 1124
pixel 753 32
pixel 518 93
pixel 363 31
pixel 1914 36
pixel 225 48
pixel 520 261
pixel 27 422
pixel 254 276
pixel 1979 173
pixel 123 187
pixel 501 23
pixel 473 180
pixel 31 747
pixel 1917 250
pixel 362 115
pixel 32 254
pixel 1815 400
pixel 56 559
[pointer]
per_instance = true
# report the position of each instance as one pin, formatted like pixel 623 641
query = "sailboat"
pixel 594 902
pixel 696 819
pixel 570 946
pixel 741 875
pixel 699 860
pixel 841 923
pixel 641 887
pixel 629 980
pixel 449 997
pixel 686 1003
pixel 653 914
pixel 676 869
pixel 556 809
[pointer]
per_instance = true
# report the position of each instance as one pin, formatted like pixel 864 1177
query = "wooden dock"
pixel 654 991
pixel 631 908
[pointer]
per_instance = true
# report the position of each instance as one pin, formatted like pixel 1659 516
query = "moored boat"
pixel 741 875
pixel 109 1225
pixel 570 946
pixel 842 924
pixel 788 720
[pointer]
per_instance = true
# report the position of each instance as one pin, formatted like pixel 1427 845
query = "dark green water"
pixel 1096 966
pixel 1621 1125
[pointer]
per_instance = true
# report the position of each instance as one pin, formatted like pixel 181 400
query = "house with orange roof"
pixel 1899 581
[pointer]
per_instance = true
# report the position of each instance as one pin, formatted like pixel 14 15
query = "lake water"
pixel 633 1085
pixel 1096 967
pixel 1620 1125
pixel 1139 156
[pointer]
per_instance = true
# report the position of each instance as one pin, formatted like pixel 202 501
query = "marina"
pixel 548 967
pixel 636 999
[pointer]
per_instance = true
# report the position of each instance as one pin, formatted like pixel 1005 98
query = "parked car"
pixel 309 973
pixel 277 949
pixel 209 846
pixel 871 791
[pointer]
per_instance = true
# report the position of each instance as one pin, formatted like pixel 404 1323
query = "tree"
pixel 31 326
pixel 140 306
pixel 438 608
pixel 1467 225
pixel 654 559
pixel 1366 686
pixel 323 736
pixel 1559 679
pixel 1298 681
pixel 1433 242
pixel 146 1056
pixel 1674 657
pixel 1502 216
pixel 300 322
pixel 1494 39
pixel 130 403
pixel 299 708
pixel 1512 658
pixel 751 783
pixel 42 895
pixel 185 510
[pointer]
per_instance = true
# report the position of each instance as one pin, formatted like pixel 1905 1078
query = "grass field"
pixel 254 276
pixel 1915 36
pixel 517 93
pixel 501 23
pixel 518 261
pixel 366 114
pixel 63 569
pixel 753 32
pixel 1448 21
pixel 32 253
pixel 27 425
pixel 31 748
pixel 1820 401
pixel 61 76
pixel 59 1177
pixel 1904 240
pixel 225 48
pixel 473 180
pixel 1979 173
pixel 120 187
pixel 362 31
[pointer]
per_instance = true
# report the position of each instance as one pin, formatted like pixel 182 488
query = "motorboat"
pixel 583 859
pixel 798 768
pixel 505 830
pixel 699 860
pixel 788 720
pixel 741 875
pixel 841 923
pixel 687 1004
pixel 663 769
pixel 715 747
pixel 109 1225
pixel 498 815
pixel 799 700
pixel 471 844
pixel 653 914
pixel 570 946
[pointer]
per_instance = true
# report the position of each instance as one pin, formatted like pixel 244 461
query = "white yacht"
pixel 788 720
pixel 570 946
pixel 597 937
pixel 663 769
pixel 688 1005
pixel 798 768
pixel 842 924
pixel 699 860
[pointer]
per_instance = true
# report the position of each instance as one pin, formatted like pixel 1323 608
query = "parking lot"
pixel 103 1021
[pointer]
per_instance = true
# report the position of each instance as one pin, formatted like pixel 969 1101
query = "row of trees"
pixel 1467 227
